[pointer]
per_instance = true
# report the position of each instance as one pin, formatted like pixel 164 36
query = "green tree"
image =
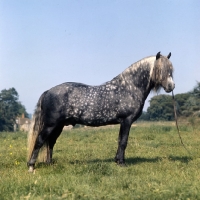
pixel 196 91
pixel 181 100
pixel 161 108
pixel 145 116
pixel 189 103
pixel 10 108
pixel 193 102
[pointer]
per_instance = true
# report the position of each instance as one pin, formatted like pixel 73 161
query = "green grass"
pixel 158 167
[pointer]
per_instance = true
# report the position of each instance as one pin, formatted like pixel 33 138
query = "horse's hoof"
pixel 122 165
pixel 31 169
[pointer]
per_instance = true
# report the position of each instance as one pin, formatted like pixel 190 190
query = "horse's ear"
pixel 169 55
pixel 158 55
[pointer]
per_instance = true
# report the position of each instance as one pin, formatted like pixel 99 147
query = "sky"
pixel 44 43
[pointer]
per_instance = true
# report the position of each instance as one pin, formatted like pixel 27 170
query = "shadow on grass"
pixel 137 160
pixel 129 161
pixel 184 159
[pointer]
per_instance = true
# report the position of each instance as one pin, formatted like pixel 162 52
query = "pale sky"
pixel 44 43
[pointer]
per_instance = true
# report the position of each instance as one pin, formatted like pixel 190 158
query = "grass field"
pixel 158 167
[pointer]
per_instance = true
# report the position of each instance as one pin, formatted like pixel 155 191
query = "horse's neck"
pixel 137 77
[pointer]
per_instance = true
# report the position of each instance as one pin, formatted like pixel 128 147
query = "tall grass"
pixel 158 167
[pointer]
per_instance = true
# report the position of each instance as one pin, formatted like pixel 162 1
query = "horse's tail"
pixel 36 126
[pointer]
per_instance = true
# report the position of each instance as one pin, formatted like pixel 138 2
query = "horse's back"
pixel 62 94
pixel 80 103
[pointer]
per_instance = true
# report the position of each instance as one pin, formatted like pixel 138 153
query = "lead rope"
pixel 175 115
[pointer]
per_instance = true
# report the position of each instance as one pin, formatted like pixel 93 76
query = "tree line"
pixel 161 106
pixel 10 109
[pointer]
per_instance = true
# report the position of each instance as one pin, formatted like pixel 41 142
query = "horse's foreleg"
pixel 122 141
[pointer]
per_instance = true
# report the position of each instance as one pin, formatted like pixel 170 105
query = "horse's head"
pixel 163 73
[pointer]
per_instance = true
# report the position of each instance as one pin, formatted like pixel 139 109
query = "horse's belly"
pixel 99 122
pixel 99 118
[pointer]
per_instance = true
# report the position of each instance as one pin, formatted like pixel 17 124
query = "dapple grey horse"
pixel 119 101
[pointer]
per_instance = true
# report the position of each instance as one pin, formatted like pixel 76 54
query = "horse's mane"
pixel 159 70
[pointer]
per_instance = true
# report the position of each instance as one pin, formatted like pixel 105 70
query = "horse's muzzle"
pixel 169 88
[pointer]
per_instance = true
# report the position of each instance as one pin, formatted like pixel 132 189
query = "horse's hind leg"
pixel 42 137
pixel 52 140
